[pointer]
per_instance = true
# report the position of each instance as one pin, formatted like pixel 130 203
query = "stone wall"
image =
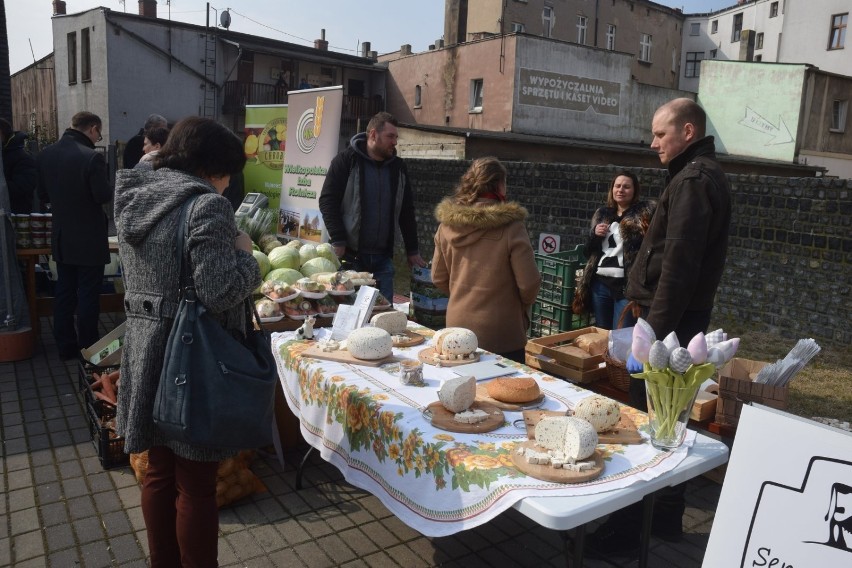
pixel 789 267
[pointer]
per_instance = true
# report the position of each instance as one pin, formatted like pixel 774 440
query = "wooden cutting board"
pixel 443 418
pixel 550 473
pixel 482 396
pixel 428 356
pixel 625 431
pixel 344 356
pixel 411 338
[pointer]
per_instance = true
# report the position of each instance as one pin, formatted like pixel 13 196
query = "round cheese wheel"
pixel 517 389
pixel 455 342
pixel 601 412
pixel 370 343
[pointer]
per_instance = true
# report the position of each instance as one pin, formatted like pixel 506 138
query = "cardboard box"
pixel 546 354
pixel 107 351
pixel 704 407
pixel 736 387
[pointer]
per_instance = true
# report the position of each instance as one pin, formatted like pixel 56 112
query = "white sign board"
pixel 548 243
pixel 787 497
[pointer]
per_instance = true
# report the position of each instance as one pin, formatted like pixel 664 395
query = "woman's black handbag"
pixel 214 390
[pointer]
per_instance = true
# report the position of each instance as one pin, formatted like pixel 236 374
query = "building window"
pixel 713 53
pixel 417 96
pixel 759 43
pixel 581 29
pixel 518 27
pixel 85 56
pixel 548 20
pixel 773 9
pixel 738 27
pixel 693 64
pixel 694 29
pixel 72 58
pixel 645 48
pixel 610 37
pixel 838 116
pixel 837 39
pixel 476 95
pixel 714 26
pixel 758 58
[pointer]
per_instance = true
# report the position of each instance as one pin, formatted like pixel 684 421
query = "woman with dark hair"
pixel 152 143
pixel 197 161
pixel 484 260
pixel 613 242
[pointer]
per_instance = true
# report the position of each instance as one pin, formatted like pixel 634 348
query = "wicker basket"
pixel 619 378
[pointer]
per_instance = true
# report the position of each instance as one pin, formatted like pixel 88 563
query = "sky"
pixel 386 24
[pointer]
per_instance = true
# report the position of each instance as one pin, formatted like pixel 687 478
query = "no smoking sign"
pixel 548 243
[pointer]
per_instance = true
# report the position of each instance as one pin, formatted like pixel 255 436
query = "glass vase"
pixel 668 414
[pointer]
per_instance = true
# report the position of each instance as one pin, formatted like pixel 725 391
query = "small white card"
pixel 345 320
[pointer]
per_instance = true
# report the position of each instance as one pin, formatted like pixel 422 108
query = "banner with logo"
pixel 264 137
pixel 312 142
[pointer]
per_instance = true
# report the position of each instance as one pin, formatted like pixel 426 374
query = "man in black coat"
pixel 19 168
pixel 72 177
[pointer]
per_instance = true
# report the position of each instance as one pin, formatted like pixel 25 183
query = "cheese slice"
pixel 458 394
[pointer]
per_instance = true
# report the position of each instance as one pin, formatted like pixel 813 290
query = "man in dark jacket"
pixel 19 168
pixel 674 280
pixel 365 195
pixel 72 176
pixel 133 151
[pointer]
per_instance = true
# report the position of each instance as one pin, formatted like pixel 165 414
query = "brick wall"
pixel 789 267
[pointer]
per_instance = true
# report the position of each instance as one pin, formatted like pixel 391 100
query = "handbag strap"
pixel 186 283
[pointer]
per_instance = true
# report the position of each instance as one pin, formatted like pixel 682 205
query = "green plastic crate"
pixel 549 319
pixel 558 275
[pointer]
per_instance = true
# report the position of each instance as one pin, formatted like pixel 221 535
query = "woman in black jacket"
pixel 613 242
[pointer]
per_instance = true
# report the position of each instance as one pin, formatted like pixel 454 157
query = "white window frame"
pixel 71 43
pixel 695 28
pixel 839 113
pixel 548 20
pixel 476 89
pixel 736 32
pixel 692 68
pixel 645 45
pixel 773 10
pixel 582 28
pixel 714 26
pixel 610 37
pixel 518 27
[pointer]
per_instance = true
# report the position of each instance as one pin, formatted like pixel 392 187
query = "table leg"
pixel 645 535
pixel 579 541
pixel 302 467
pixel 31 292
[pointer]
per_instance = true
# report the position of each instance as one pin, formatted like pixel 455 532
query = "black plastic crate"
pixel 109 445
pixel 549 319
pixel 84 378
pixel 558 275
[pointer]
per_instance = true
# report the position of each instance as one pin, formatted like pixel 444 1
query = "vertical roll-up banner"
pixel 264 142
pixel 312 142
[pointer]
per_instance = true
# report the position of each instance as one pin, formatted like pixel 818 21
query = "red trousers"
pixel 179 507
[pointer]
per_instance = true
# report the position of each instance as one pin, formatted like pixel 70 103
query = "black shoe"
pixel 613 538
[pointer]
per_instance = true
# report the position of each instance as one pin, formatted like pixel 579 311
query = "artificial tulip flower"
pixel 671 341
pixel 640 348
pixel 698 348
pixel 658 356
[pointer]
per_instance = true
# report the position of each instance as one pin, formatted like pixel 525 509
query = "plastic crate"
pixel 84 377
pixel 549 319
pixel 558 275
pixel 109 445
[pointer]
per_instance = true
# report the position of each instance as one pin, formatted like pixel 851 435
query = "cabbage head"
pixel 284 257
pixel 318 265
pixel 262 261
pixel 325 250
pixel 287 275
pixel 295 243
pixel 307 252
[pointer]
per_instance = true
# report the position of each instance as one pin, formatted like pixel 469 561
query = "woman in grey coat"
pixel 200 155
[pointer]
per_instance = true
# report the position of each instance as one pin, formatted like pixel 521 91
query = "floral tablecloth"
pixel 371 427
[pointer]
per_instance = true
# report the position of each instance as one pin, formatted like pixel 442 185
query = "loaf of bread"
pixel 515 389
pixel 593 343
pixel 458 394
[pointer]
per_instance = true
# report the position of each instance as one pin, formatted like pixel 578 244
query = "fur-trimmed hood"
pixel 467 224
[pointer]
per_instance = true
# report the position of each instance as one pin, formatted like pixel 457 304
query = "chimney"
pixel 321 44
pixel 58 8
pixel 374 55
pixel 148 8
pixel 405 49
pixel 365 49
pixel 439 44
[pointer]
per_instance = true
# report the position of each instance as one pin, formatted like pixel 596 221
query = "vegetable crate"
pixel 550 319
pixel 84 379
pixel 736 387
pixel 558 275
pixel 109 445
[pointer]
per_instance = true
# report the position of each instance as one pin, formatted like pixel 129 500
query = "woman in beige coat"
pixel 484 260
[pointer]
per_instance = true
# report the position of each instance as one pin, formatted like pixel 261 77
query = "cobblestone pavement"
pixel 59 508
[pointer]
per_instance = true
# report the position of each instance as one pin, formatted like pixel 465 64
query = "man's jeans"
pixel 382 268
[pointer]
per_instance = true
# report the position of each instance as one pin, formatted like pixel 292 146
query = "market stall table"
pixel 372 428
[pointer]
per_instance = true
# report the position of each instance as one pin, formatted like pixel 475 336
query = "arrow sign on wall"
pixel 780 134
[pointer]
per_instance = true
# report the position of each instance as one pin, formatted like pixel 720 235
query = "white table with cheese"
pixel 372 428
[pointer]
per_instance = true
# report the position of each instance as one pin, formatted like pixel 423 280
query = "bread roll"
pixel 593 343
pixel 517 389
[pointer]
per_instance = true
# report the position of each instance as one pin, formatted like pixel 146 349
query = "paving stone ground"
pixel 59 508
